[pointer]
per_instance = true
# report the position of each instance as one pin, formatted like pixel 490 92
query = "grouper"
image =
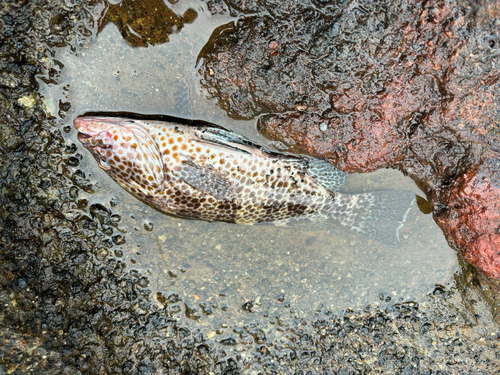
pixel 200 171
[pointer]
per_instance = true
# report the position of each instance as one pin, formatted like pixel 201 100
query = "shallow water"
pixel 216 268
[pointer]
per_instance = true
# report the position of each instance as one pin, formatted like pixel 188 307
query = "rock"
pixel 27 101
pixel 9 140
pixel 385 85
pixel 147 23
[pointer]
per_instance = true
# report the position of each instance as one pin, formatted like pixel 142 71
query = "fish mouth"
pixel 90 135
pixel 84 137
pixel 94 141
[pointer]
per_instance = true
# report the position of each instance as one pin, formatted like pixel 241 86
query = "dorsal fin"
pixel 221 137
pixel 215 145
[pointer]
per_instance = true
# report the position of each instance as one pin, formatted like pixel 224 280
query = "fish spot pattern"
pixel 211 174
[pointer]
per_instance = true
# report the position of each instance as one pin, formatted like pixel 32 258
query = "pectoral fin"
pixel 204 178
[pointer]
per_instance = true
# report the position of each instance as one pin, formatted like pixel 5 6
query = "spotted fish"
pixel 205 172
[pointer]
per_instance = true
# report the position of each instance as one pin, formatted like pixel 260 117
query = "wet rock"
pixel 9 139
pixel 4 103
pixel 228 341
pixel 191 312
pixel 9 79
pixel 381 85
pixel 280 297
pixel 207 308
pixel 473 222
pixel 146 23
pixel 248 306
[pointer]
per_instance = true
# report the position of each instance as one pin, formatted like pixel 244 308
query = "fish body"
pixel 208 173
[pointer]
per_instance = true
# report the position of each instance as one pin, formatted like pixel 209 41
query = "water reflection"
pixel 144 23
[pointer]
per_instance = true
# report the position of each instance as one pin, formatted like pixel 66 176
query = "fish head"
pixel 125 150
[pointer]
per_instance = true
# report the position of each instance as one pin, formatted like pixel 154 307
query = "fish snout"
pixel 91 124
pixel 82 124
pixel 90 133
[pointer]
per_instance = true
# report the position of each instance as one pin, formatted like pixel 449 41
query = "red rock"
pixel 400 84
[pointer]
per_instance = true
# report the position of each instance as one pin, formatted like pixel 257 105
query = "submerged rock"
pixel 147 22
pixel 406 85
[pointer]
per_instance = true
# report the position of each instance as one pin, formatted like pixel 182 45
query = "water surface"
pixel 231 273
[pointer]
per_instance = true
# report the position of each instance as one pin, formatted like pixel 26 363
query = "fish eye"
pixel 104 164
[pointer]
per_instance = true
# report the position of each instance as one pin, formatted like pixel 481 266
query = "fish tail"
pixel 378 215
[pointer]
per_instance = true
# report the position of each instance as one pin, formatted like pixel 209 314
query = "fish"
pixel 202 171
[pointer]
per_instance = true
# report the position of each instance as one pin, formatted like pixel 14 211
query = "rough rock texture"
pixel 409 84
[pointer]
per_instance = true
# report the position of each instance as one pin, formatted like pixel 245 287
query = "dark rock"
pixel 146 23
pixel 387 84
pixel 9 139
pixel 248 306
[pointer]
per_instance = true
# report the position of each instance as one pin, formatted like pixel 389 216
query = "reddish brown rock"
pixel 471 218
pixel 411 85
